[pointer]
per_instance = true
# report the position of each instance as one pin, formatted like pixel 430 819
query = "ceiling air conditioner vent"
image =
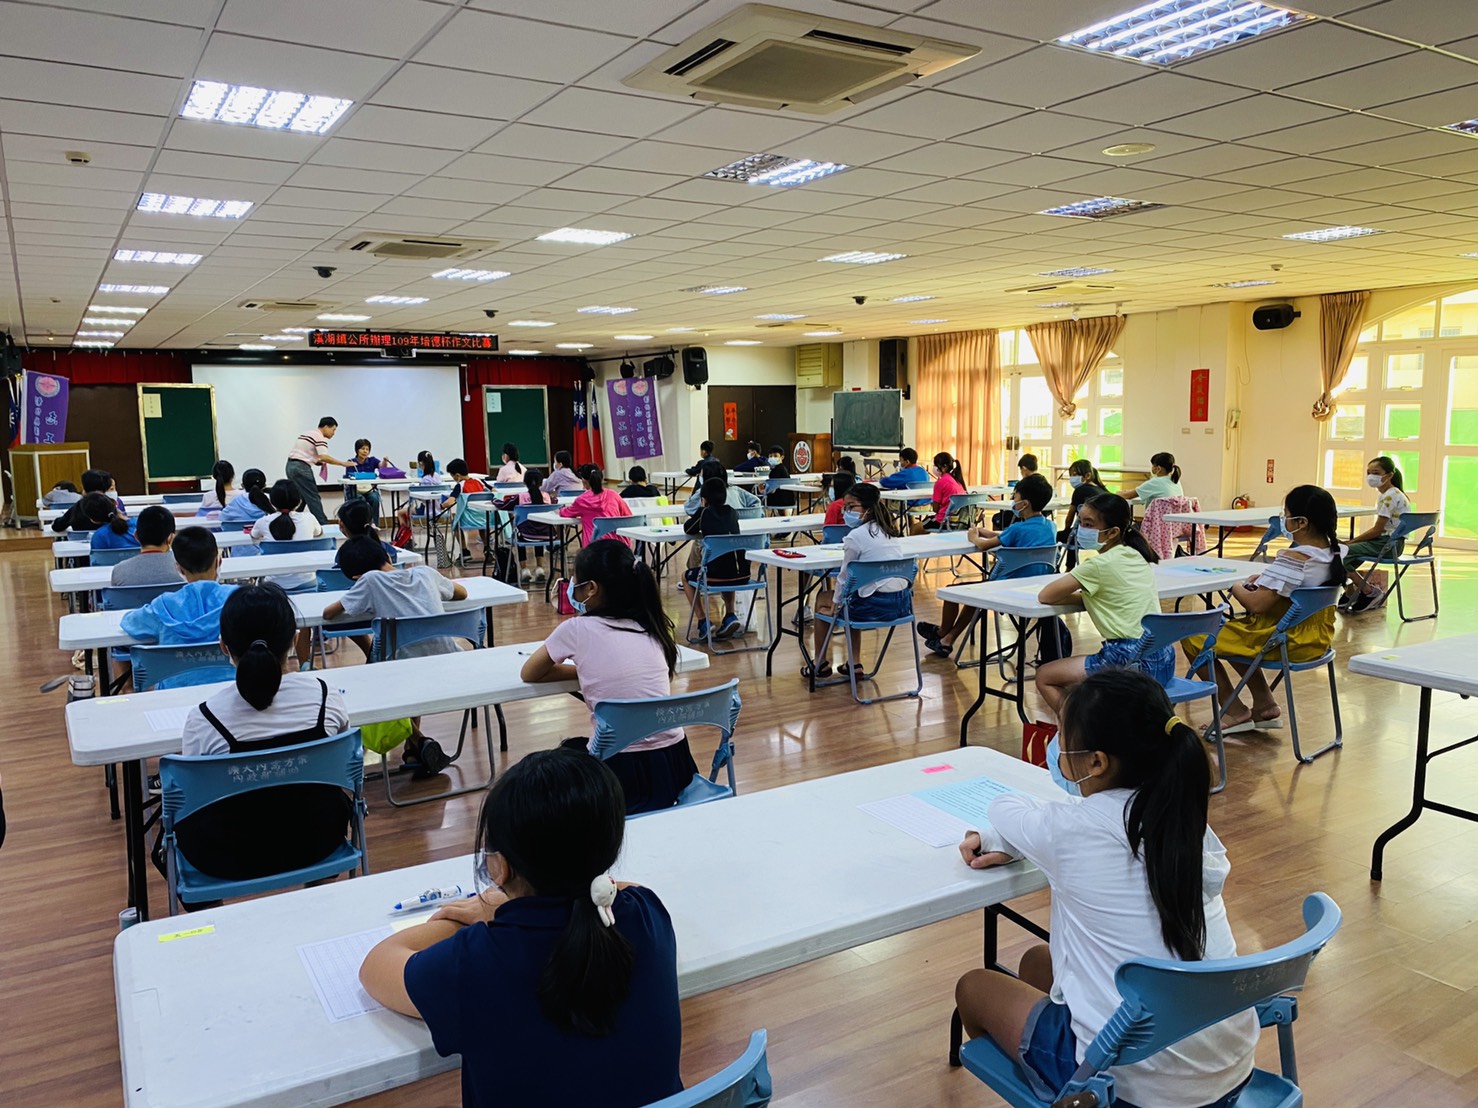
pixel 285 305
pixel 418 248
pixel 761 56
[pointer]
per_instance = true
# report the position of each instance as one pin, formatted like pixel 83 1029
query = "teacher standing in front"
pixel 309 450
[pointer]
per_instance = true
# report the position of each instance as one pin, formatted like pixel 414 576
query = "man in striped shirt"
pixel 311 449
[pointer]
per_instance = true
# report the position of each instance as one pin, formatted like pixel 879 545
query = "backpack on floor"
pixel 1054 640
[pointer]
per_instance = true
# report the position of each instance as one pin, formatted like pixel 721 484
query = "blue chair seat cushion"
pixel 194 885
pixel 701 790
pixel 1183 689
pixel 265 832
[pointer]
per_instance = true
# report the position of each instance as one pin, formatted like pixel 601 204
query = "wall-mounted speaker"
pixel 695 366
pixel 629 370
pixel 661 367
pixel 893 365
pixel 1274 317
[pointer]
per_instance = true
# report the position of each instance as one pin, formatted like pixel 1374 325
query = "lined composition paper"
pixel 941 815
pixel 333 967
pixel 167 719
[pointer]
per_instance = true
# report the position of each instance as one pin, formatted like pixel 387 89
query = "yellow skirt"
pixel 1244 635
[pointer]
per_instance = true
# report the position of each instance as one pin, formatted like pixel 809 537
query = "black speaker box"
pixel 629 370
pixel 695 366
pixel 661 367
pixel 893 364
pixel 1274 317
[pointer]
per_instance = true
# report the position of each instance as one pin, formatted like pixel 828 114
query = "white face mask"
pixel 1374 480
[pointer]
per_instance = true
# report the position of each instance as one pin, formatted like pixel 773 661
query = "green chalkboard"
pixel 177 424
pixel 870 419
pixel 518 414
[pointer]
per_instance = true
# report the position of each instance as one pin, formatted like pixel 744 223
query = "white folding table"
pixel 48 516
pixel 1226 520
pixel 228 1016
pixel 91 578
pixel 1447 666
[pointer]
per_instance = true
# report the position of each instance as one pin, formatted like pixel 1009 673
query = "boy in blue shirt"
pixel 1030 528
pixel 908 473
pixel 190 615
pixel 754 458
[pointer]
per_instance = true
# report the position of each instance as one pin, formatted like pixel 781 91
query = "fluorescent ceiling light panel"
pixel 531 323
pixel 574 345
pixel 92 342
pixel 396 299
pixel 472 274
pixel 680 330
pixel 910 299
pixel 1472 255
pixel 1171 31
pixel 923 322
pixel 107 321
pixel 716 290
pixel 144 290
pixel 99 334
pixel 255 346
pixel 159 257
pixel 1058 304
pixel 217 102
pixel 1333 234
pixel 1101 207
pixel 861 257
pixel 743 342
pixel 1241 284
pixel 631 338
pixel 778 170
pixel 298 330
pixel 160 203
pixel 1467 127
pixel 1075 271
pixel 780 315
pixel 820 334
pixel 523 352
pixel 341 317
pixel 584 236
pixel 602 309
pixel 120 311
pixel 282 338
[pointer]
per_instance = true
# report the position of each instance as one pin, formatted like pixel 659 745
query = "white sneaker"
pixel 540 575
pixel 525 575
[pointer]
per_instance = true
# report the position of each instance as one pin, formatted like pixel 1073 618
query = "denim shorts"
pixel 881 607
pixel 1159 664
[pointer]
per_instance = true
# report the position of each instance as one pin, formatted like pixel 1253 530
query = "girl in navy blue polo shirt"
pixel 554 978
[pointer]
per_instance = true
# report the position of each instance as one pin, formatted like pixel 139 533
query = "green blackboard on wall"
pixel 868 419
pixel 178 426
pixel 518 414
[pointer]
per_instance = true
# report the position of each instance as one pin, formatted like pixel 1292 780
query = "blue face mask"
pixel 1074 480
pixel 852 519
pixel 1017 510
pixel 578 605
pixel 1087 538
pixel 1066 784
pixel 1283 528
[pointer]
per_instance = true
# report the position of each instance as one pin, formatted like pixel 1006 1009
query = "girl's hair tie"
pixel 603 895
pixel 1172 723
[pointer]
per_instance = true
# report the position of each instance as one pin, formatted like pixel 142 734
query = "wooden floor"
pixel 1390 1016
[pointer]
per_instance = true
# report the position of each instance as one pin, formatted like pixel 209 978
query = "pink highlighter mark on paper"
pixel 938 769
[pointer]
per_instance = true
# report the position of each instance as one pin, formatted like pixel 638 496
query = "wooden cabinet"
pixel 38 468
pixel 818 365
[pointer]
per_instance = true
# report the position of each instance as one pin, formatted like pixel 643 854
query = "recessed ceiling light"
pixel 861 257
pixel 120 311
pixel 1058 304
pixel 396 299
pixel 298 330
pixel 341 317
pixel 1101 207
pixel 107 321
pixel 167 204
pixel 780 315
pixel 602 309
pixel 1075 271
pixel 1333 234
pixel 1128 149
pixel 531 323
pixel 217 102
pixel 472 274
pixel 160 257
pixel 1241 284
pixel 99 334
pixel 820 334
pixel 522 351
pixel 1169 31
pixel 743 342
pixel 145 290
pixel 715 290
pixel 631 338
pixel 584 236
pixel 574 345
pixel 282 338
pixel 680 330
pixel 910 299
pixel 92 342
pixel 255 346
pixel 925 322
pixel 1472 255
pixel 1467 127
pixel 778 170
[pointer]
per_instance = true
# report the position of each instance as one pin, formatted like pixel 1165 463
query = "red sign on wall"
pixel 731 422
pixel 1200 395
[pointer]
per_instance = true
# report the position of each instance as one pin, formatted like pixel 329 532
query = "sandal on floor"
pixel 928 631
pixel 844 670
pixel 939 648
pixel 1274 724
pixel 819 672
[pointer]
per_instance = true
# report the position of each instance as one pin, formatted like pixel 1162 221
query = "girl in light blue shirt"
pixel 1164 480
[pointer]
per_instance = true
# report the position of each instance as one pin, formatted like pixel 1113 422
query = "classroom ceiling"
pixel 501 120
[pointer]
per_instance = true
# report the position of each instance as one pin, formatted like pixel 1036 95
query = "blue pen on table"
pixel 431 898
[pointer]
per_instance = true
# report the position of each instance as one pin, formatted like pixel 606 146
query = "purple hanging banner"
pixel 632 407
pixel 43 408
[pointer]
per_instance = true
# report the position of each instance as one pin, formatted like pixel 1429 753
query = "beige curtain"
pixel 1341 315
pixel 959 401
pixel 1070 350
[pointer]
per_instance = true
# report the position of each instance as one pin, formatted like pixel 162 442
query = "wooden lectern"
pixel 813 450
pixel 38 467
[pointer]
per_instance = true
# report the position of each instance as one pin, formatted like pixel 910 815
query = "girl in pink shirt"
pixel 595 502
pixel 949 482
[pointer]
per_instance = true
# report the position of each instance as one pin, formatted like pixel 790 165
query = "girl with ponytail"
pixel 1117 587
pixel 223 473
pixel 111 529
pixel 251 504
pixel 620 644
pixel 1164 480
pixel 555 976
pixel 1135 872
pixel 1391 503
pixel 949 480
pixel 1310 520
pixel 287 522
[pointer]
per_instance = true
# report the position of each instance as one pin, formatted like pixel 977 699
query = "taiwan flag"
pixel 587 428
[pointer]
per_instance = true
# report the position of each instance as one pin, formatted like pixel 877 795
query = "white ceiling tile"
pixel 1435 109
pixel 1036 170
pixel 1038 133
pixel 514 171
pixel 462 92
pixel 88 87
pixel 373 123
pixel 1336 133
pixel 486 193
pixel 77 176
pixel 617 181
pixel 630 17
pixel 383 27
pixel 1046 76
pixel 1253 116
pixel 1462 164
pixel 867 181
pixel 188 13
pixel 89 38
pixel 609 113
pixel 1297 54
pixel 363 180
pixel 952 192
pixel 1152 99
pixel 185 163
pixel 1413 74
pixel 329 199
pixel 946 159
pixel 1404 149
pixel 491 43
pixel 1043 20
pixel 240 60
pixel 241 142
pixel 1209 160
pixel 552 144
pixel 1281 171
pixel 56 121
pixel 455 210
pixel 849 146
pixel 730 128
pixel 937 115
pixel 1428 22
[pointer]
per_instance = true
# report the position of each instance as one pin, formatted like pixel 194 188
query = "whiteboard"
pixel 402 409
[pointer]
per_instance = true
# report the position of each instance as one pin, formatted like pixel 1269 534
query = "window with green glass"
pixel 1462 402
pixel 1401 421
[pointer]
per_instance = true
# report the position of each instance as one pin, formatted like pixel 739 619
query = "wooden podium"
pixel 38 467
pixel 814 450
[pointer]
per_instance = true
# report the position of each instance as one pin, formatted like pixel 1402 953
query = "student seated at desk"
pixel 715 518
pixel 778 498
pixel 1135 872
pixel 382 591
pixel 1029 527
pixel 75 517
pixel 1117 587
pixel 153 564
pixel 111 529
pixel 63 494
pixel 464 485
pixel 907 474
pixel 529 531
pixel 637 487
pixel 192 614
pixel 266 709
pixel 1164 481
pixel 563 476
pixel 1026 466
pixel 512 471
pixel 1085 484
pixel 949 482
pixel 734 496
pixel 366 464
pixel 1391 504
pixel 288 522
pixel 356 518
pixel 249 505
pixel 841 484
pixel 223 488
pixel 620 645
pixel 425 474
pixel 705 451
pixel 556 984
pixel 873 537
pixel 754 458
pixel 596 502
pixel 1311 520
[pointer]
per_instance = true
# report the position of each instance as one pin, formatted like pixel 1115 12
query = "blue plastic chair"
pixel 521 513
pixel 1275 529
pixel 743 1083
pixel 1172 628
pixel 296 546
pixel 859 575
pixel 122 598
pixel 619 723
pixel 177 667
pixel 964 510
pixel 605 527
pixel 1009 563
pixel 111 557
pixel 392 636
pixel 333 580
pixel 1305 604
pixel 715 547
pixel 189 784
pixel 180 497
pixel 474 511
pixel 754 511
pixel 1421 527
pixel 770 486
pixel 1166 1001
